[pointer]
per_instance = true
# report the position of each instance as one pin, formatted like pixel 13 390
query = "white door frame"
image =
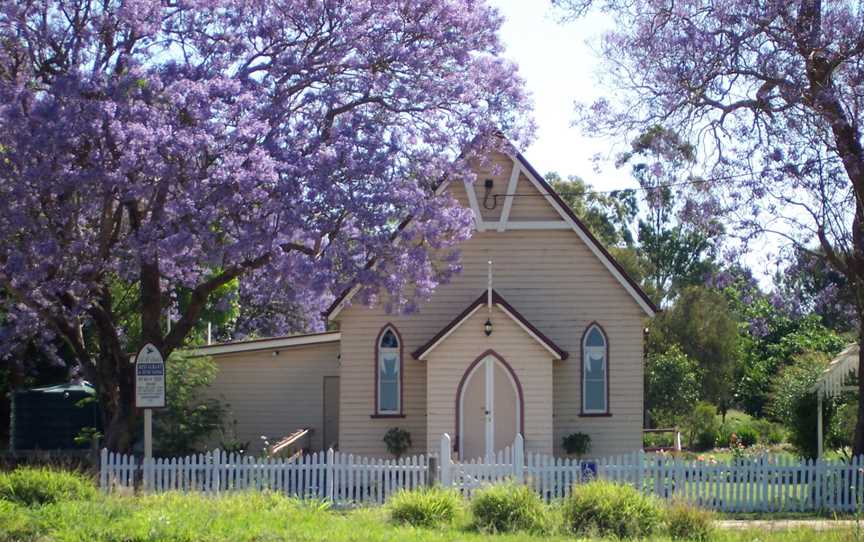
pixel 488 364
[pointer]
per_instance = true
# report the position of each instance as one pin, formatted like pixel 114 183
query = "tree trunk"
pixel 115 384
pixel 858 442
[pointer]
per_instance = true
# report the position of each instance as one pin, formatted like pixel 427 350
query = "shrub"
pixel 703 427
pixel 774 434
pixel 747 435
pixel 605 509
pixel 508 507
pixel 577 443
pixel 672 384
pixel 686 522
pixel 724 434
pixel 427 507
pixel 191 416
pixel 793 401
pixel 397 441
pixel 35 486
pixel 658 440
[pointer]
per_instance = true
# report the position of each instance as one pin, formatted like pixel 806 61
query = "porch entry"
pixel 490 408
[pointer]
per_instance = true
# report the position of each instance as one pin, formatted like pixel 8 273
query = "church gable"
pixel 510 195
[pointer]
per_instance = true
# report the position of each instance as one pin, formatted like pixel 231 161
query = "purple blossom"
pixel 282 147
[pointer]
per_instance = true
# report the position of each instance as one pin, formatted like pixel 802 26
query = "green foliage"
pixel 190 416
pixel 770 433
pixel 702 325
pixel 702 427
pixel 577 443
pixel 766 356
pixel 508 507
pixel 607 509
pixel 16 525
pixel 658 440
pixel 793 401
pixel 673 385
pixel 744 435
pixel 608 216
pixel 770 338
pixel 841 429
pixel 747 435
pixel 259 516
pixel 30 486
pixel 397 441
pixel 688 522
pixel 426 507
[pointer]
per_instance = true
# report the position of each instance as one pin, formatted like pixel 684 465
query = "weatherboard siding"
pixel 274 395
pixel 531 363
pixel 559 285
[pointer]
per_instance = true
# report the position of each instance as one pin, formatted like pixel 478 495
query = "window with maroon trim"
pixel 389 373
pixel 595 371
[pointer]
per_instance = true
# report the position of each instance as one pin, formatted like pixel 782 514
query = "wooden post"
pixel 330 474
pixel 446 479
pixel 103 471
pixel 819 424
pixel 148 433
pixel 519 458
pixel 431 471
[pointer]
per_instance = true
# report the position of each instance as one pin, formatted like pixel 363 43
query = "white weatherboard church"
pixel 553 348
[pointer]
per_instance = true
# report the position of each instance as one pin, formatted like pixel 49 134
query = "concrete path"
pixel 782 524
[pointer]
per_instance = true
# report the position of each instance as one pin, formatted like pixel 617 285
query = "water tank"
pixel 50 417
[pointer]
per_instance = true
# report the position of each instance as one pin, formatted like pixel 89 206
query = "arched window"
pixel 595 371
pixel 389 373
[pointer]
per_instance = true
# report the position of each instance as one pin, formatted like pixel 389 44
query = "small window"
pixel 389 374
pixel 594 372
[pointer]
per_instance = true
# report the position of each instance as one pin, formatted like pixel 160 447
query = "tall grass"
pixel 427 507
pixel 608 509
pixel 262 516
pixel 41 485
pixel 509 507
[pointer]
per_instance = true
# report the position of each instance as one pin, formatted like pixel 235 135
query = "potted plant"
pixel 397 441
pixel 577 444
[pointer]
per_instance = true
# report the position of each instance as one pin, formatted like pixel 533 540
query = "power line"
pixel 708 180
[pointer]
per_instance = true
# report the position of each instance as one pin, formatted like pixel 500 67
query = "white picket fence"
pixel 766 484
pixel 335 476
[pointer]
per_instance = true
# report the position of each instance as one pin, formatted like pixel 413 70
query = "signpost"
pixel 149 389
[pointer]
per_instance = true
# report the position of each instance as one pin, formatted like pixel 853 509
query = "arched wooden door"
pixel 490 408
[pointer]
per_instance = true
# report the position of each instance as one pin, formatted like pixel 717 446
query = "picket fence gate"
pixel 764 484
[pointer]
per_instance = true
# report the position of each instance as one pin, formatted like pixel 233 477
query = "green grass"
pixel 266 517
pixel 52 506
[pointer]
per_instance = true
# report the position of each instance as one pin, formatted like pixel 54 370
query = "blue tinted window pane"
pixel 389 340
pixel 388 398
pixel 595 338
pixel 388 382
pixel 595 379
pixel 595 396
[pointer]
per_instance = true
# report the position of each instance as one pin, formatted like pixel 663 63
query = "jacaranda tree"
pixel 771 92
pixel 176 148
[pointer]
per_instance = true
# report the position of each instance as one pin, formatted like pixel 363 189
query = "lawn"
pixel 260 517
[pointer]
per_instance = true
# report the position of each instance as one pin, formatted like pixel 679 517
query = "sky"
pixel 560 68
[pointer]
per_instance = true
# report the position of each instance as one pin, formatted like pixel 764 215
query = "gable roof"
pixel 564 210
pixel 508 309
